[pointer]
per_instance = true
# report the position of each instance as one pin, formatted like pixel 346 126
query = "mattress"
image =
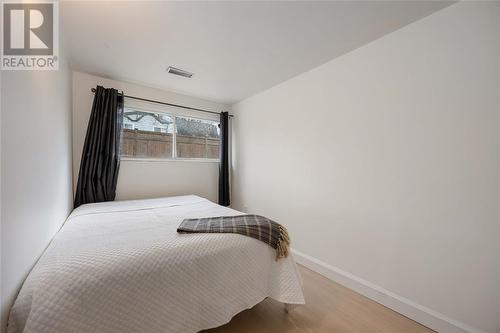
pixel 122 267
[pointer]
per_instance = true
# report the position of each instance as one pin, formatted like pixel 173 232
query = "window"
pixel 140 137
pixel 197 138
pixel 152 134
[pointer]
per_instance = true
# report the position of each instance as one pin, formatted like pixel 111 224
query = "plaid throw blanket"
pixel 258 227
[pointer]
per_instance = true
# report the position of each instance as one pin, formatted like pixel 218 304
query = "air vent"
pixel 180 72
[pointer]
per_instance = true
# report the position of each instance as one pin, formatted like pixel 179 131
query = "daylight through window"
pixel 162 136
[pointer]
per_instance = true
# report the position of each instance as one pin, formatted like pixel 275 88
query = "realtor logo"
pixel 30 36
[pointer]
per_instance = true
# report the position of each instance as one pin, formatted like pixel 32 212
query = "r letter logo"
pixel 30 36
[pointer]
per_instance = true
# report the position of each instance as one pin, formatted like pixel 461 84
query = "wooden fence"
pixel 144 144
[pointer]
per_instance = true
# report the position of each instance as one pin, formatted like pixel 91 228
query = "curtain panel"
pixel 100 161
pixel 224 195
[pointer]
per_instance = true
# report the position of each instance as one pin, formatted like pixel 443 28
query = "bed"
pixel 122 267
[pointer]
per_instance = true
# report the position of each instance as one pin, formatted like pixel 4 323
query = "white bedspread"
pixel 122 267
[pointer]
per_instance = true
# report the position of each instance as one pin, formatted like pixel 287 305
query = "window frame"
pixel 172 112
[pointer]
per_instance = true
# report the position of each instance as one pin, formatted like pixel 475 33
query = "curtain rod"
pixel 165 103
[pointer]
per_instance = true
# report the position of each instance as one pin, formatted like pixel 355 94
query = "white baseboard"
pixel 421 314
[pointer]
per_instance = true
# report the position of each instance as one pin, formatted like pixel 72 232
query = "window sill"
pixel 162 160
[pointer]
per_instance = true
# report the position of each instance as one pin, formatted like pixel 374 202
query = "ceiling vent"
pixel 180 72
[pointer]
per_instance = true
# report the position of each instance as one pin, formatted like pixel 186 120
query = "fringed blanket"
pixel 258 227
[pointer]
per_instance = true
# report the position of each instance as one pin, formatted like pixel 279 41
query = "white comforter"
pixel 122 267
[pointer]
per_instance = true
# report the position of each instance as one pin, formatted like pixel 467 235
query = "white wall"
pixel 36 192
pixel 145 179
pixel 384 163
pixel 3 312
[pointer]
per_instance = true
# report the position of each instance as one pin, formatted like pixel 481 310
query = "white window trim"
pixel 161 160
pixel 172 112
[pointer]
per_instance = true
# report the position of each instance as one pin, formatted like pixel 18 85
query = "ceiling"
pixel 235 49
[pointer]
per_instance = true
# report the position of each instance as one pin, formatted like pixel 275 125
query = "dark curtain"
pixel 224 197
pixel 101 152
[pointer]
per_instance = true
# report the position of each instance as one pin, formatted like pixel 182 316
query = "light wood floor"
pixel 330 308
